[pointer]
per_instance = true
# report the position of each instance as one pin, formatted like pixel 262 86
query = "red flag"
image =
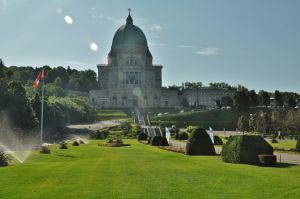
pixel 38 79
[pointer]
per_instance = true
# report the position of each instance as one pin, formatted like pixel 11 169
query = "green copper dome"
pixel 129 34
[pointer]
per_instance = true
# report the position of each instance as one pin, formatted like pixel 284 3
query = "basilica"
pixel 131 80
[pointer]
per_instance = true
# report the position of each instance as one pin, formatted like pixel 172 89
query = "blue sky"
pixel 254 43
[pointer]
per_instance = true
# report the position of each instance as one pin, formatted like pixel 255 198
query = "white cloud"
pixel 59 10
pixel 68 19
pixel 157 27
pixel 94 46
pixel 151 44
pixel 208 51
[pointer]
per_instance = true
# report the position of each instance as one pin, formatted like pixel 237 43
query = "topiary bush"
pixel 182 136
pixel 267 160
pixel 63 145
pixel 142 136
pixel 199 143
pixel 75 143
pixel 45 150
pixel 245 149
pixel 217 140
pixel 3 159
pixel 298 144
pixel 159 141
pixel 100 134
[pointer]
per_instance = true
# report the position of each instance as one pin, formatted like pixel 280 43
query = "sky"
pixel 253 43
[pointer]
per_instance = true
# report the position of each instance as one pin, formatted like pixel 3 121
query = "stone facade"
pixel 130 79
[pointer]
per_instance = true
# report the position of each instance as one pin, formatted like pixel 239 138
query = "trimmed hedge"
pixel 75 143
pixel 182 136
pixel 45 150
pixel 100 134
pixel 199 143
pixel 298 144
pixel 3 159
pixel 159 141
pixel 245 149
pixel 142 136
pixel 63 145
pixel 267 160
pixel 217 140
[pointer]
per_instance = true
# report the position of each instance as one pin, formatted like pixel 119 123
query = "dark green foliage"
pixel 135 130
pixel 63 145
pixel 159 141
pixel 199 143
pixel 100 134
pixel 245 149
pixel 182 136
pixel 298 144
pixel 75 143
pixel 126 126
pixel 267 160
pixel 3 159
pixel 142 136
pixel 45 150
pixel 217 140
pixel 274 140
pixel 278 99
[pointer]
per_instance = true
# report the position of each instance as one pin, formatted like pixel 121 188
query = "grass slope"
pixel 141 171
pixel 217 119
pixel 111 114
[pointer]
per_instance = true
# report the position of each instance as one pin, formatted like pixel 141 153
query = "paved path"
pixel 97 125
pixel 289 158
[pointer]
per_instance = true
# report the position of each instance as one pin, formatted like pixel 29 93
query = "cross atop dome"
pixel 129 18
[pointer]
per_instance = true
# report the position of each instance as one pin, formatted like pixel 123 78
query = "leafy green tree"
pixel 278 99
pixel 264 98
pixel 242 124
pixel 291 102
pixel 220 85
pixel 226 101
pixel 252 122
pixel 241 99
pixel 253 98
pixel 263 123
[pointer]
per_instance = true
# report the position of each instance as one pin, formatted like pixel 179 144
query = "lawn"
pixel 141 171
pixel 111 114
pixel 217 119
pixel 290 144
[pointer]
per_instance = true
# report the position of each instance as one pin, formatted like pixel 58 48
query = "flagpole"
pixel 42 112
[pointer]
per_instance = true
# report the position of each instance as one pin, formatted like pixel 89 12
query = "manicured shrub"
pixel 245 149
pixel 136 129
pixel 63 145
pixel 100 134
pixel 182 136
pixel 159 141
pixel 3 159
pixel 274 140
pixel 298 144
pixel 45 150
pixel 116 140
pixel 199 143
pixel 217 140
pixel 75 143
pixel 142 136
pixel 267 160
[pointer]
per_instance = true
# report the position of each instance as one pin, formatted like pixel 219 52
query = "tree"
pixel 192 85
pixel 242 124
pixel 226 101
pixel 263 123
pixel 278 99
pixel 264 98
pixel 241 99
pixel 253 98
pixel 252 122
pixel 291 102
